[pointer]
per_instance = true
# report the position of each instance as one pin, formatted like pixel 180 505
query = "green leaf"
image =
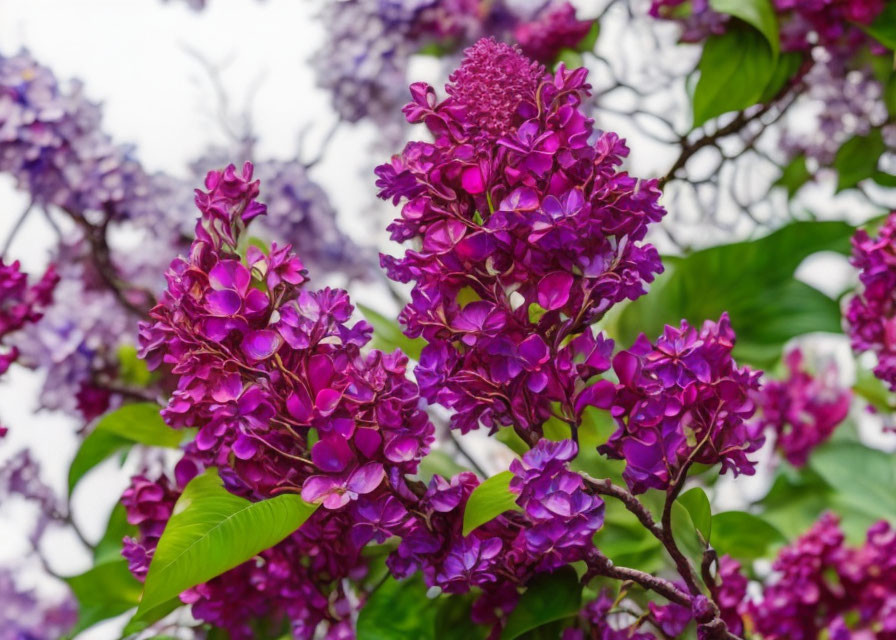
pixel 571 58
pixel 883 29
pixel 734 70
pixel 861 477
pixel 397 610
pixel 890 93
pixel 587 44
pixel 438 462
pixel 857 159
pixel 489 500
pixel 757 13
pixel 212 531
pixel 697 505
pixel 132 369
pixel 744 536
pixel 787 66
pixel 884 179
pixel 753 281
pixel 131 424
pixel 794 176
pixel 105 591
pixel 548 597
pixel 117 527
pixel 452 619
pixel 387 335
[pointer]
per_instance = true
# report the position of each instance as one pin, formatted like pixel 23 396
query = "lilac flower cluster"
pixel 21 303
pixel 833 24
pixel 823 588
pixel 149 505
pixel 25 615
pixel 369 44
pixel 871 313
pixel 681 401
pixel 557 521
pixel 273 376
pixel 50 142
pixel 802 410
pixel 527 233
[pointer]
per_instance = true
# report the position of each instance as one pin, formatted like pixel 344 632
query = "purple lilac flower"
pixel 149 504
pixel 822 587
pixel 25 615
pixel 681 401
pixel 260 364
pixel 51 143
pixel 802 410
pixel 370 43
pixel 554 527
pixel 527 234
pixel 21 303
pixel 871 313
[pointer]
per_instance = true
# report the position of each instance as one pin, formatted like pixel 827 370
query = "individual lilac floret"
pixel 871 313
pixel 682 401
pixel 525 232
pixel 802 410
pixel 822 588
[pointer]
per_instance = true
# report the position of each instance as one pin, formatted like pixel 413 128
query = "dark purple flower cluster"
pixel 274 378
pixel 557 521
pixel 871 313
pixel 527 234
pixel 149 505
pixel 681 401
pixel 21 303
pixel 370 43
pixel 822 588
pixel 597 622
pixel 802 410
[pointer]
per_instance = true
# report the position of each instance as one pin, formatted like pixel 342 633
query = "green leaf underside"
pixel 398 610
pixel 697 504
pixel 744 536
pixel 857 159
pixel 548 597
pixel 131 424
pixel 883 29
pixel 489 500
pixel 213 531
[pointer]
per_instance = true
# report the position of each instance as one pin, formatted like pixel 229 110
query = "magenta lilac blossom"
pixel 680 401
pixel 823 588
pixel 803 410
pixel 527 233
pixel 871 313
pixel 262 364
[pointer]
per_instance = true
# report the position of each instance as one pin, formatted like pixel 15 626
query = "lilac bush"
pixel 303 472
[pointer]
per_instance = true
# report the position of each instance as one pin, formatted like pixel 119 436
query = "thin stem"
pixel 607 488
pixel 466 454
pixel 15 228
pixel 600 565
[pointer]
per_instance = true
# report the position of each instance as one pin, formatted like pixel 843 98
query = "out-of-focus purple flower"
pixel 681 401
pixel 25 615
pixel 871 313
pixel 822 587
pixel 554 29
pixel 21 303
pixel 370 43
pixel 802 410
pixel 50 141
pixel 527 233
